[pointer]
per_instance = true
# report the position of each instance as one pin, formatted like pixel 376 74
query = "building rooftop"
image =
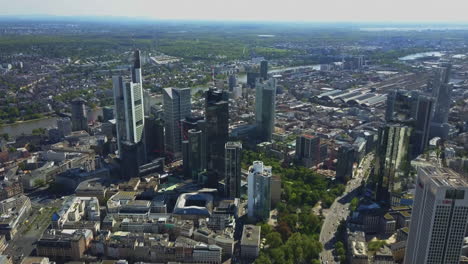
pixel 444 177
pixel 251 235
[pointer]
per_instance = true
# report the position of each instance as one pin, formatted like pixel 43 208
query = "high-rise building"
pixel 130 157
pixel 252 77
pixel 79 115
pixel 442 93
pixel 392 161
pixel 107 113
pixel 154 136
pixel 308 150
pixel 265 106
pixel 232 81
pixel 401 106
pixel 217 129
pixel 412 109
pixel 345 160
pixel 259 191
pixel 177 106
pixel 193 122
pixel 232 175
pixel 420 137
pixel 128 100
pixel 64 126
pixel 439 217
pixel 264 70
pixel 194 154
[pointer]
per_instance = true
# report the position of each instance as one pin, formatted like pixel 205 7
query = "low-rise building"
pixel 75 210
pixel 250 241
pixel 357 247
pixel 16 211
pixel 388 223
pixel 64 245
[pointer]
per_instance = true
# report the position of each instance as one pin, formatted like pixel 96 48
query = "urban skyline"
pixel 244 143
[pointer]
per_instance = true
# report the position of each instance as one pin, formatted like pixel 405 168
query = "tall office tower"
pixel 232 81
pixel 193 122
pixel 439 217
pixel 264 70
pixel 252 78
pixel 232 175
pixel 217 129
pixel 64 126
pixel 107 113
pixel 344 167
pixel 308 150
pixel 401 106
pixel 392 161
pixel 442 93
pixel 79 115
pixel 412 109
pixel 130 159
pixel 177 106
pixel 422 125
pixel 265 106
pixel 129 112
pixel 259 191
pixel 154 136
pixel 194 154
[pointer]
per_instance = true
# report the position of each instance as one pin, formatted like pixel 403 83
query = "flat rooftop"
pixel 251 236
pixel 444 177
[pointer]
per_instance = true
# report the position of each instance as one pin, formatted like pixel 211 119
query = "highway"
pixel 339 211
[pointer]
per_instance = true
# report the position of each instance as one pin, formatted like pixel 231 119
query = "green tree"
pixel 354 204
pixel 262 259
pixel 39 183
pixel 274 239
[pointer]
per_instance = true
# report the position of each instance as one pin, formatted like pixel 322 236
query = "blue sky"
pixel 276 10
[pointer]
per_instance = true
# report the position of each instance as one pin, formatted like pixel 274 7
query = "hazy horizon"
pixel 359 11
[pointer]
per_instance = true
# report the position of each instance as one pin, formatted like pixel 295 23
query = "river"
pixel 27 127
pixel 421 55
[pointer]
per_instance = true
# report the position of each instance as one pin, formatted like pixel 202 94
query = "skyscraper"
pixel 232 175
pixel 308 150
pixel 345 161
pixel 392 161
pixel 64 126
pixel 401 106
pixel 130 153
pixel 442 93
pixel 422 125
pixel 177 106
pixel 265 106
pixel 412 109
pixel 154 136
pixel 128 100
pixel 107 113
pixel 79 115
pixel 259 191
pixel 217 129
pixel 264 70
pixel 232 82
pixel 194 154
pixel 439 217
pixel 252 78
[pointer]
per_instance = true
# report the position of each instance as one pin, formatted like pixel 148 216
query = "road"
pixel 339 211
pixel 23 243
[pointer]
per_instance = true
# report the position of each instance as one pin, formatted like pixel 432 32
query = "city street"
pixel 31 230
pixel 340 210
